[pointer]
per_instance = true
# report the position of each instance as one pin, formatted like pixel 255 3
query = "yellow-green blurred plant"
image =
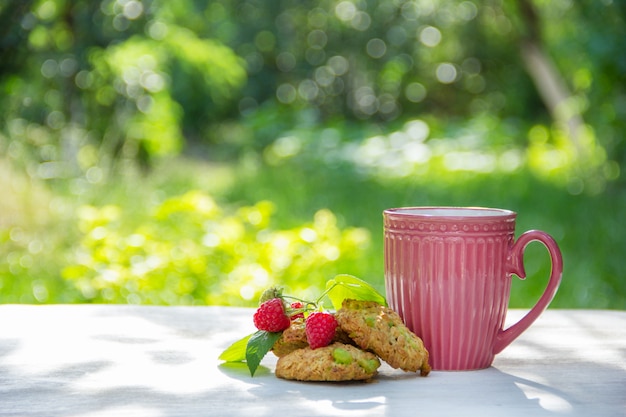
pixel 190 250
pixel 159 76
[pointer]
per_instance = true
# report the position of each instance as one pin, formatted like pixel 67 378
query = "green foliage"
pixel 331 110
pixel 164 78
pixel 190 250
pixel 113 79
pixel 236 352
pixel 258 346
pixel 346 286
pixel 457 168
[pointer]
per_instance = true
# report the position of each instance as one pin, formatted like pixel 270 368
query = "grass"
pixel 38 225
pixel 587 227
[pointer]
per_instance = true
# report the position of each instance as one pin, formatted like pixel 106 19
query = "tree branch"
pixel 549 82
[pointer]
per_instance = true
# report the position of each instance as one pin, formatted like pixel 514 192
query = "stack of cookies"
pixel 366 333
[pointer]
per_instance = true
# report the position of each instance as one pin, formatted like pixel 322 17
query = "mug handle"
pixel 515 265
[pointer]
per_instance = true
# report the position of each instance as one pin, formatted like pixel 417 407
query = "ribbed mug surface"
pixel 448 275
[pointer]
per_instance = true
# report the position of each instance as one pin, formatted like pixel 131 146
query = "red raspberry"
pixel 320 329
pixel 271 317
pixel 297 306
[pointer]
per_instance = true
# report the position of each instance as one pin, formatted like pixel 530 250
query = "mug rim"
pixel 451 212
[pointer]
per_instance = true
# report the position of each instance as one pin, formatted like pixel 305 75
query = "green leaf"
pixel 237 351
pixel 259 344
pixel 347 286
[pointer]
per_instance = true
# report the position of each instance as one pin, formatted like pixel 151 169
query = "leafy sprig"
pixel 253 347
pixel 346 286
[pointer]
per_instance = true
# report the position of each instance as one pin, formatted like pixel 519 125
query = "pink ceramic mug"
pixel 448 274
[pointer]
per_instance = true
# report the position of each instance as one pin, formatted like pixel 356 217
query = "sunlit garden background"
pixel 196 152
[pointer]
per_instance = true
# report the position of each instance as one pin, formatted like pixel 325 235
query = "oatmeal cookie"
pixel 336 362
pixel 292 339
pixel 379 329
pixel 295 338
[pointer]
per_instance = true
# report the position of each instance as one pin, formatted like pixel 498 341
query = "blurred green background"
pixel 196 152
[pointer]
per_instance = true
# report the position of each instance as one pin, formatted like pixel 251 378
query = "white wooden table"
pixel 97 360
